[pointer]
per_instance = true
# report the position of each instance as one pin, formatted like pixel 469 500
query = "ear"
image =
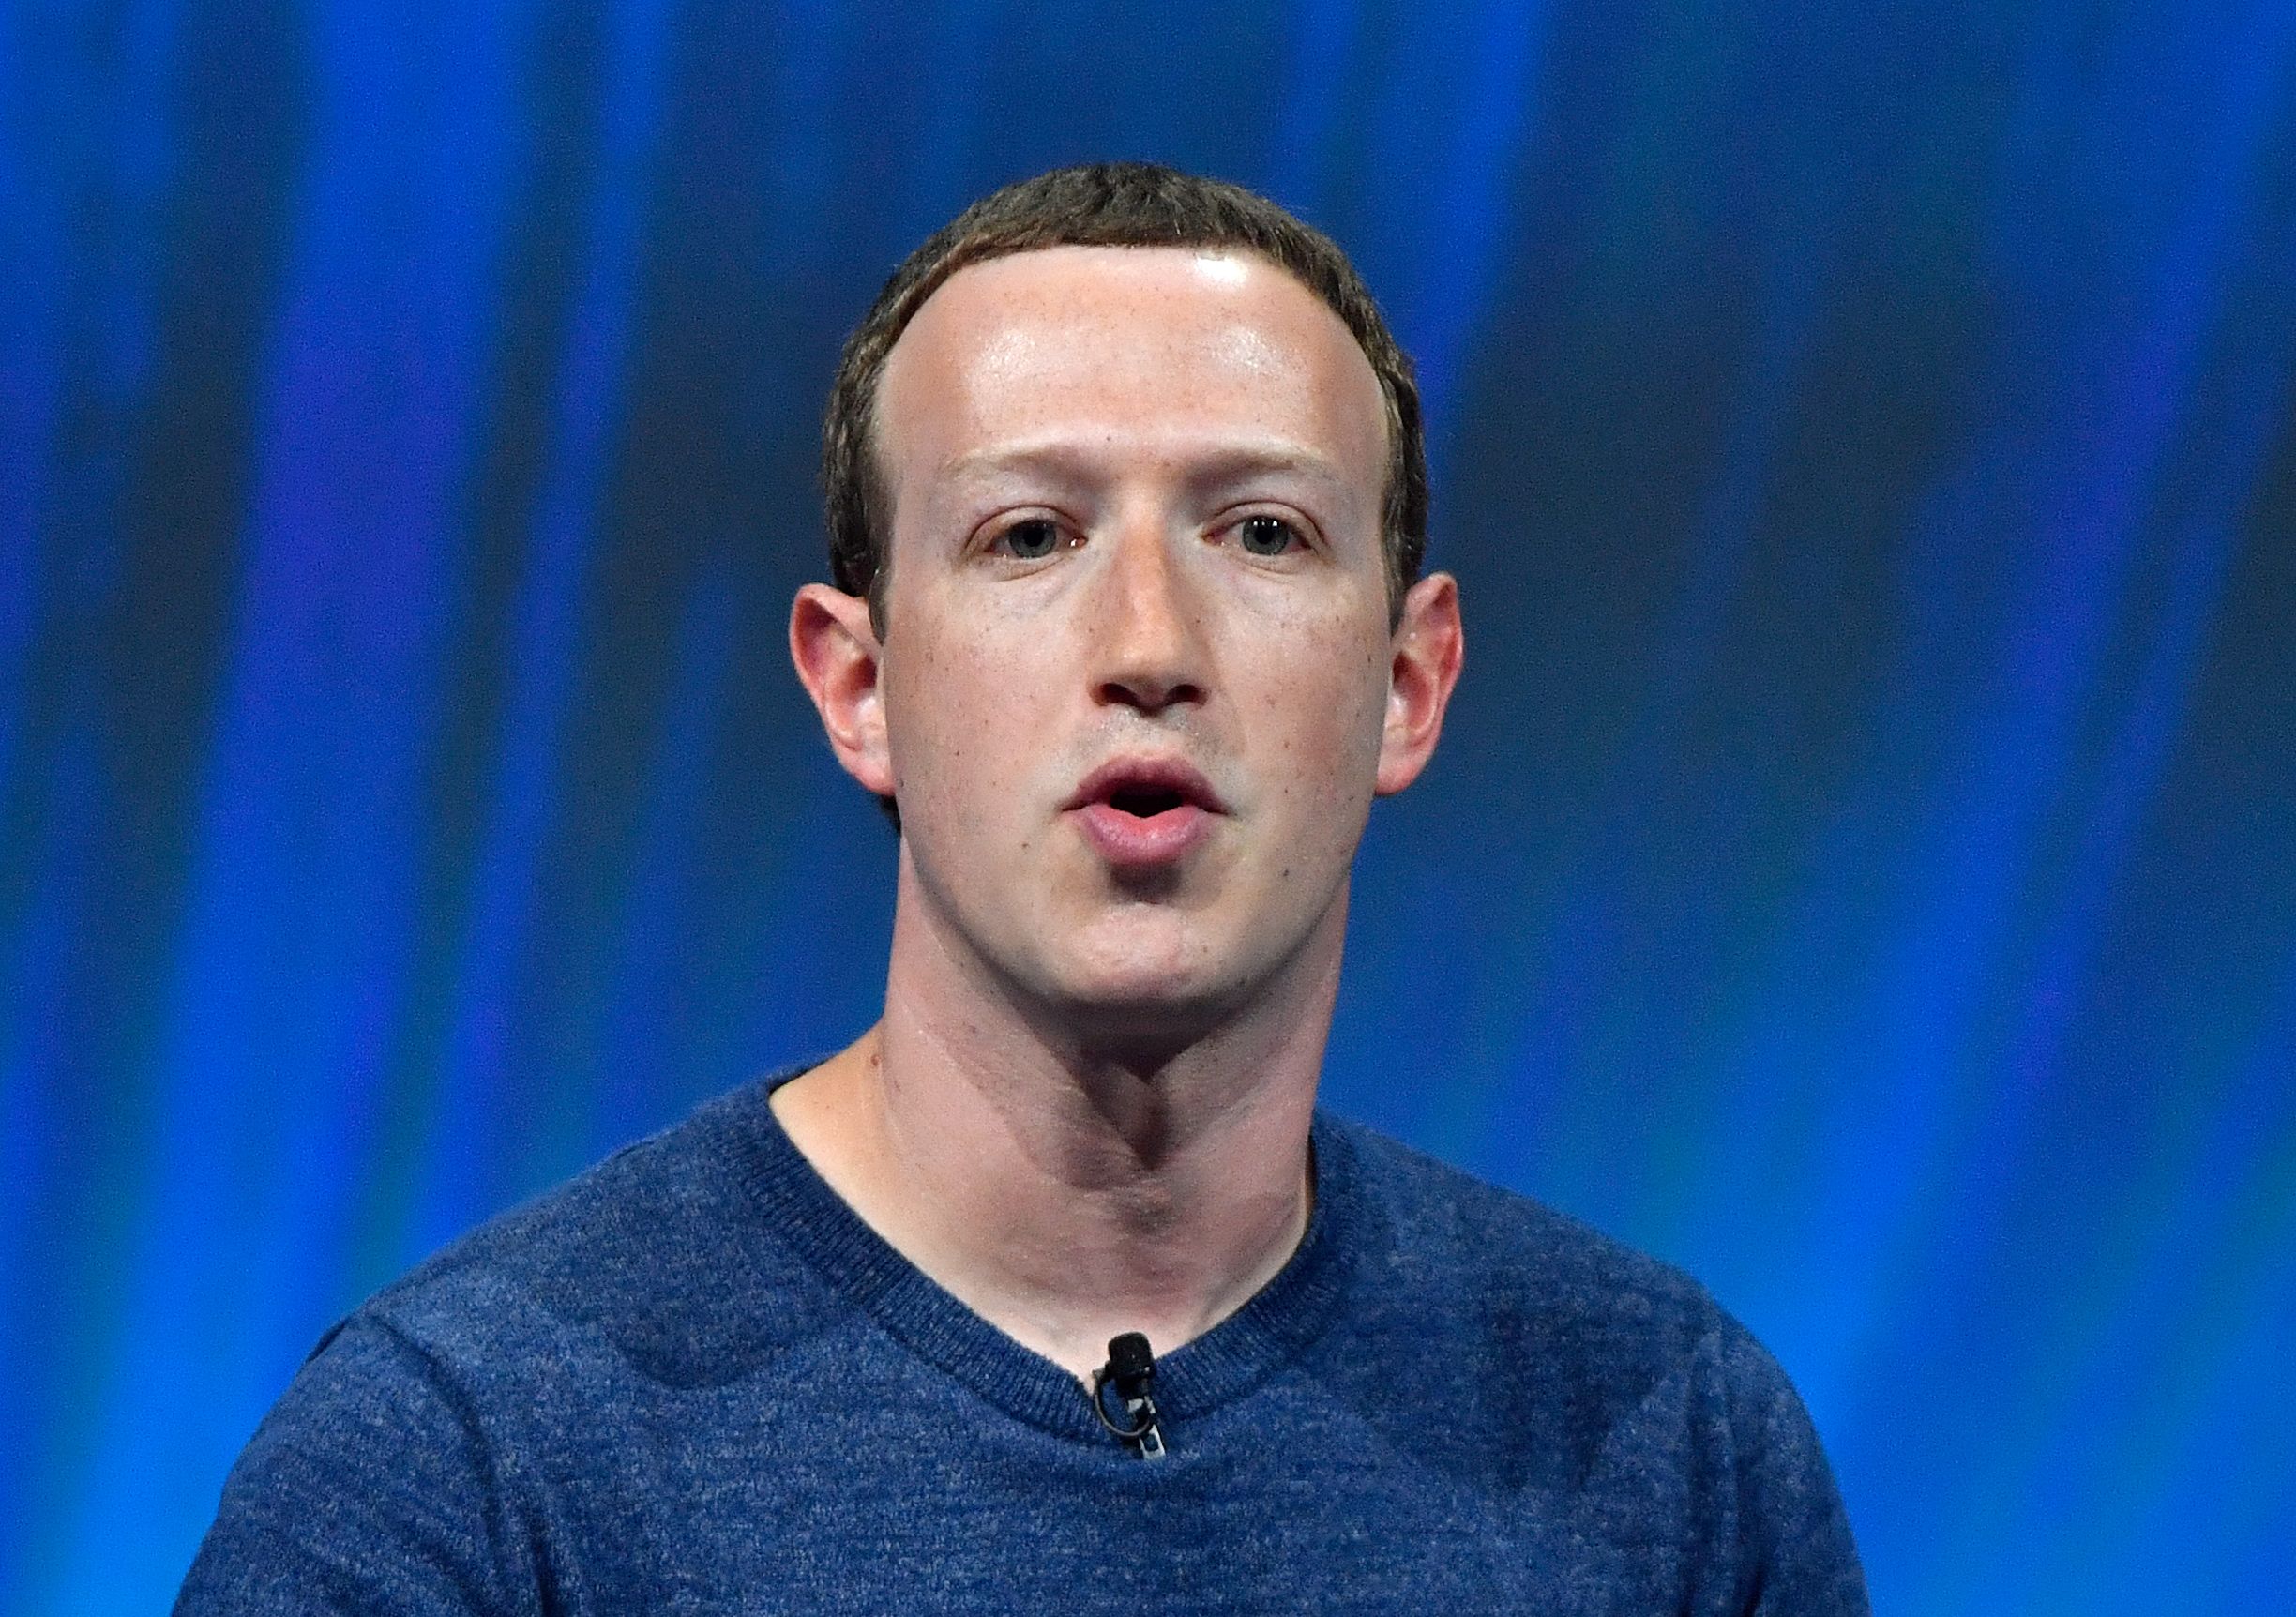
pixel 1423 665
pixel 838 662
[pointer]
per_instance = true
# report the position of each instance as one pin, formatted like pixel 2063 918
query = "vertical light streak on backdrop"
pixel 300 888
pixel 733 284
pixel 2057 1476
pixel 647 996
pixel 2217 1387
pixel 1407 136
pixel 1549 1112
pixel 458 1131
pixel 32 373
pixel 88 121
pixel 1326 37
pixel 2113 328
pixel 956 37
pixel 1430 205
pixel 748 295
pixel 1591 942
pixel 152 294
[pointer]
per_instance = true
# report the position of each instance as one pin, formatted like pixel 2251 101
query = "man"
pixel 1127 501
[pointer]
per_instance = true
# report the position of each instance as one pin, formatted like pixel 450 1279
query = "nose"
pixel 1146 646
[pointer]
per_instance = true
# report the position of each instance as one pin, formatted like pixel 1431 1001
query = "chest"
pixel 1277 1508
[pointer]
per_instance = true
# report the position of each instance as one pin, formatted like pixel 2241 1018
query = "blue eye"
pixel 1266 535
pixel 1030 540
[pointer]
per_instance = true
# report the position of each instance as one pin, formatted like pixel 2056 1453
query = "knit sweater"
pixel 694 1380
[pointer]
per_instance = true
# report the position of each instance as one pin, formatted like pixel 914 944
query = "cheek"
pixel 961 720
pixel 1325 709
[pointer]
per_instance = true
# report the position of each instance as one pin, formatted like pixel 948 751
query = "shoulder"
pixel 399 1460
pixel 1601 1337
pixel 500 1385
pixel 1447 1228
pixel 656 1258
pixel 1581 1367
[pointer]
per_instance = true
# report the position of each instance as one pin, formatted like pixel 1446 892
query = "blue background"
pixel 1859 867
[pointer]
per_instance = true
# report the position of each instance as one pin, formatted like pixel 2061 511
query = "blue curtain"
pixel 1862 864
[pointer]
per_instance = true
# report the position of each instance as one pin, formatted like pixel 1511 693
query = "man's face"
pixel 1135 680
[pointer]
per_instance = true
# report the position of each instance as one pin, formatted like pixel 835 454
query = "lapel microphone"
pixel 1131 1372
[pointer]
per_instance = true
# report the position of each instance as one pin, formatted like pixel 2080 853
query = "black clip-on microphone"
pixel 1131 1370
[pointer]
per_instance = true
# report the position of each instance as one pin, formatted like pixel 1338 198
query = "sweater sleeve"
pixel 1800 1558
pixel 370 1488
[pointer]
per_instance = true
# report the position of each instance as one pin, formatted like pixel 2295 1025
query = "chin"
pixel 1143 997
pixel 1162 989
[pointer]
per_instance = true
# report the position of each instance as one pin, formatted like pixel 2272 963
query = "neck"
pixel 1068 1187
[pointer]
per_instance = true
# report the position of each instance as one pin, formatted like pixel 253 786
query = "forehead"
pixel 1169 353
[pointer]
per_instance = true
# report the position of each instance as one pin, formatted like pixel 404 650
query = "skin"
pixel 1135 513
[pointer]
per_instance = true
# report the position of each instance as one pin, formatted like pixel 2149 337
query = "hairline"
pixel 877 495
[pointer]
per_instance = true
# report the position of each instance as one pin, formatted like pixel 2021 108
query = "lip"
pixel 1136 841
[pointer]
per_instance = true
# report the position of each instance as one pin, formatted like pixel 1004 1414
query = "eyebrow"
pixel 1217 467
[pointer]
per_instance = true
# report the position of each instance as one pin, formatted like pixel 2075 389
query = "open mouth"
pixel 1145 802
pixel 1144 813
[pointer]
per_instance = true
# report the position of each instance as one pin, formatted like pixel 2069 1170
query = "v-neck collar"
pixel 800 1210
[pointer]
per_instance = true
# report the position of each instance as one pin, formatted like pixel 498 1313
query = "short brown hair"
pixel 1108 205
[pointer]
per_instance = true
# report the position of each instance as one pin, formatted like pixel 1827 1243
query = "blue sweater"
pixel 692 1379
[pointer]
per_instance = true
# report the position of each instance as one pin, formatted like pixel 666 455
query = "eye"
pixel 1031 539
pixel 1266 535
